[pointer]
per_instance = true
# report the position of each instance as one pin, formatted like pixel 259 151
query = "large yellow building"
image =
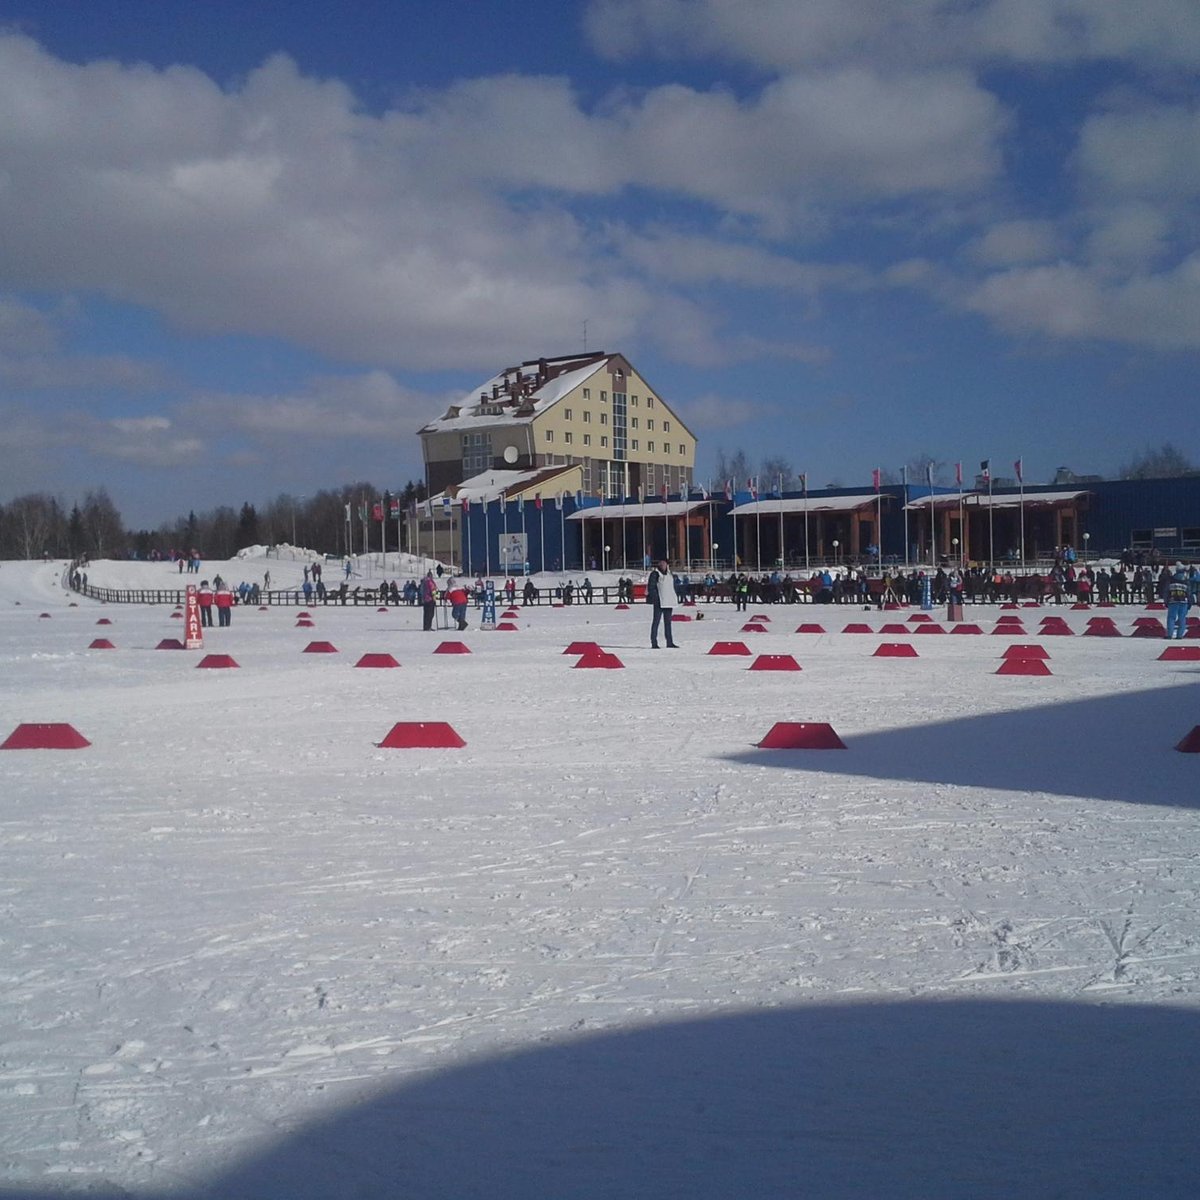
pixel 593 411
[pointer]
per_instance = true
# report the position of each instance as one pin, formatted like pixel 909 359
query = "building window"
pixel 633 422
pixel 587 439
pixel 603 397
pixel 587 393
pixel 650 423
pixel 568 438
pixel 604 418
pixel 587 416
pixel 634 444
pixel 476 453
pixel 603 441
pixel 633 401
pixel 666 427
pixel 649 447
pixel 682 451
pixel 649 401
pixel 549 435
pixel 567 414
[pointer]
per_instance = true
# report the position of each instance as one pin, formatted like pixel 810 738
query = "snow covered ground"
pixel 610 948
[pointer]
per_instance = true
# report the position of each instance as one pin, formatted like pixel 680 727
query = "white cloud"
pixel 1152 151
pixel 1009 243
pixel 1070 302
pixel 785 34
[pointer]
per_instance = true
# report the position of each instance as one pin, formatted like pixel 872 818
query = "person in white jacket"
pixel 660 591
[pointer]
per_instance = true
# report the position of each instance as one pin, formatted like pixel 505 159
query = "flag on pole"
pixel 729 489
pixel 394 508
pixel 537 499
pixel 579 498
pixel 466 504
pixel 985 469
pixel 558 501
pixel 521 503
pixel 641 495
pixel 347 512
pixel 377 511
pixel 875 478
pixel 446 506
pixel 804 483
pixel 1017 468
pixel 362 512
pixel 778 492
pixel 958 473
pixel 752 483
pixel 664 493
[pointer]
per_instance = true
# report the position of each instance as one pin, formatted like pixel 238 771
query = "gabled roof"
pixel 519 394
pixel 503 485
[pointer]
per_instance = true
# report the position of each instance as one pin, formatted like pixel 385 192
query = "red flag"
pixel 537 499
pixel 875 478
pixel 466 504
pixel 377 512
pixel 958 473
pixel 1017 468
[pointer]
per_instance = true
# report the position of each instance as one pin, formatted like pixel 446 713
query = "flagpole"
pixel 991 524
pixel 904 477
pixel 542 535
pixel 932 516
pixel 1021 484
pixel 804 484
pixel 642 502
pixel 782 554
pixel 757 528
pixel 962 529
pixel 524 532
pixel 733 514
pixel 562 530
pixel 487 537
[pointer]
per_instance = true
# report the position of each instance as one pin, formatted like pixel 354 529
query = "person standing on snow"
pixel 204 597
pixel 1177 603
pixel 660 591
pixel 456 593
pixel 224 602
pixel 428 593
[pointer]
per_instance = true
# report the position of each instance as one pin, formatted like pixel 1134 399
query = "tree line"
pixel 41 525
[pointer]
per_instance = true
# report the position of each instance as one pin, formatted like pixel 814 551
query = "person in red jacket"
pixel 224 602
pixel 457 595
pixel 204 597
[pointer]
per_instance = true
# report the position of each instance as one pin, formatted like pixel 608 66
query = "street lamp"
pixel 604 565
pixel 954 543
pixel 837 558
pixel 1087 537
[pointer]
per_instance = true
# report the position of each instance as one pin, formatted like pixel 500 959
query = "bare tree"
pixel 1165 462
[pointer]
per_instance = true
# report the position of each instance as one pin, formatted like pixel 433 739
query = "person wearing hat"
pixel 1177 603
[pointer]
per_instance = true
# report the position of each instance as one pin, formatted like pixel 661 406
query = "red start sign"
pixel 194 638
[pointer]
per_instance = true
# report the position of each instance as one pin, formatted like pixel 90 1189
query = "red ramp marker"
pixel 1024 666
pixel 966 629
pixel 1157 630
pixel 304 623
pixel 381 610
pixel 506 627
pixel 1189 745
pixel 582 647
pixel 753 627
pixel 452 648
pixel 43 616
pixel 177 615
pixel 810 627
pixel 377 660
pixel 801 735
pixel 1026 651
pixel 600 659
pixel 895 650
pixel 893 627
pixel 928 629
pixel 1180 654
pixel 320 648
pixel 413 735
pixel 217 661
pixel 622 607
pixel 101 644
pixel 761 617
pixel 729 648
pixel 774 662
pixel 108 621
pixel 45 737
pixel 509 614
pixel 857 627
pixel 919 617
pixel 680 617
pixel 169 644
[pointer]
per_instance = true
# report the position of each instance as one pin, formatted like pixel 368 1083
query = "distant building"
pixel 592 411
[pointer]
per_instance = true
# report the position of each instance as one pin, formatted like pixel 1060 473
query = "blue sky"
pixel 248 249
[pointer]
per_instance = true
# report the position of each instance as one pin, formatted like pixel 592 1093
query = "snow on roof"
pixel 548 394
pixel 812 504
pixel 492 485
pixel 978 499
pixel 649 510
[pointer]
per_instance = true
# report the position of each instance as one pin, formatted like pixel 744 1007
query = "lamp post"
pixel 604 564
pixel 1087 537
pixel 954 543
pixel 715 547
pixel 837 558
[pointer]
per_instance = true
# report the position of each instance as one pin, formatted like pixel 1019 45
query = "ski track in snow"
pixel 235 912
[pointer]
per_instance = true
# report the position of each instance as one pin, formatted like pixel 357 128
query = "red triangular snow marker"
pixel 729 648
pixel 801 735
pixel 895 650
pixel 409 735
pixel 774 662
pixel 101 644
pixel 452 648
pixel 169 644
pixel 217 661
pixel 1027 651
pixel 1023 666
pixel 581 647
pixel 601 659
pixel 45 737
pixel 320 648
pixel 377 660
pixel 1180 654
